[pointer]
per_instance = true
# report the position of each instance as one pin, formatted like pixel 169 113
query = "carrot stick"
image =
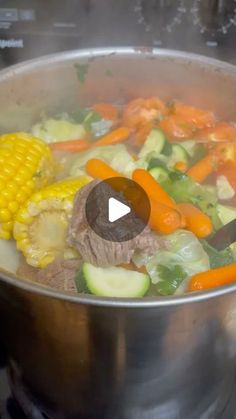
pixel 72 146
pixel 203 168
pixel 114 137
pixel 196 221
pixel 100 170
pixel 152 188
pixel 213 278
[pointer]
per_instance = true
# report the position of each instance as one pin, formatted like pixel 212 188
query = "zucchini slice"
pixel 154 143
pixel 159 173
pixel 112 282
pixel 178 154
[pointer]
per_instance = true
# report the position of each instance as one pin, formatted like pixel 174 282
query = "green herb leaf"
pixel 81 71
pixel 171 278
pixel 218 258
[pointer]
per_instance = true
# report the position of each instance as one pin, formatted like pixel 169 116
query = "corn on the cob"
pixel 26 164
pixel 41 225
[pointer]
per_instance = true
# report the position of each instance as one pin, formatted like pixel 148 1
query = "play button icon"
pixel 117 209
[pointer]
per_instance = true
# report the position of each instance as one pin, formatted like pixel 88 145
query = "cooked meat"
pixel 59 274
pixel 101 252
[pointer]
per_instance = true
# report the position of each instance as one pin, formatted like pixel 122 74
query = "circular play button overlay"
pixel 117 209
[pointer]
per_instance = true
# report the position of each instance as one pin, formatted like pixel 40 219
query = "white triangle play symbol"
pixel 116 210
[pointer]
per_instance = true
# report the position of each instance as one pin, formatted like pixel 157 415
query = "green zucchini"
pixel 178 154
pixel 159 173
pixel 112 282
pixel 154 143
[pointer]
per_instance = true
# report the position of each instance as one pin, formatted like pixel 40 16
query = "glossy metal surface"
pixel 112 359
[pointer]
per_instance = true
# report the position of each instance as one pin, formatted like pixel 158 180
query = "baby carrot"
pixel 71 146
pixel 196 221
pixel 100 170
pixel 114 137
pixel 203 168
pixel 213 278
pixel 163 219
pixel 152 188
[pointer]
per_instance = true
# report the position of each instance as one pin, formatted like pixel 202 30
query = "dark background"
pixel 39 27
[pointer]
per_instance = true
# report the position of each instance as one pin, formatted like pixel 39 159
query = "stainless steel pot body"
pixel 113 359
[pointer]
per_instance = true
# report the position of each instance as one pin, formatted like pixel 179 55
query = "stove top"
pixel 30 28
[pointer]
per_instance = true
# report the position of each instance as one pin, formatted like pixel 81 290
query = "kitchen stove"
pixel 30 28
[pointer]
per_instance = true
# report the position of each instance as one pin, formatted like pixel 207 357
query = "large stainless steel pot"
pixel 119 359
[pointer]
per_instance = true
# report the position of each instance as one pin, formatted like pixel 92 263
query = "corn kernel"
pixel 7 226
pixel 45 221
pixel 5 215
pixel 13 206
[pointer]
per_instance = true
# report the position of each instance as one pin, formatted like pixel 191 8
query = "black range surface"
pixel 30 28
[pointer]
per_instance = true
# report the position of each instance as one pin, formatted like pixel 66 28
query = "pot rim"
pixel 148 53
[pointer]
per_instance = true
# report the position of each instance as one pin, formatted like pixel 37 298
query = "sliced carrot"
pixel 213 278
pixel 152 188
pixel 100 170
pixel 107 111
pixel 196 221
pixel 200 118
pixel 203 168
pixel 114 137
pixel 71 146
pixel 177 128
pixel 181 166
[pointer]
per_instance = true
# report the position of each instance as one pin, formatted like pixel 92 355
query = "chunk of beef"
pixel 98 251
pixel 59 274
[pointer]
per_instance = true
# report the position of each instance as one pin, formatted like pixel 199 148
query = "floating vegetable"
pixel 26 165
pixel 40 226
pixel 112 282
pixel 213 278
pixel 100 170
pixel 54 130
pixel 71 146
pixel 203 168
pixel 196 221
pixel 114 137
